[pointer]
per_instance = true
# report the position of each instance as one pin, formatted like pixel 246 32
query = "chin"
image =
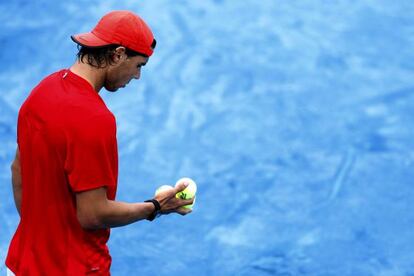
pixel 111 89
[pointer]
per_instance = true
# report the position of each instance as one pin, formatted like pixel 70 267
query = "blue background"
pixel 295 118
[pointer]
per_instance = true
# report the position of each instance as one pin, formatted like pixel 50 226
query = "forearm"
pixel 115 213
pixel 122 213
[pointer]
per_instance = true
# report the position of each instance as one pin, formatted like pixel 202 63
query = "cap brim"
pixel 88 39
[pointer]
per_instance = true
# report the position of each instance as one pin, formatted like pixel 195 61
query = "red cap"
pixel 119 27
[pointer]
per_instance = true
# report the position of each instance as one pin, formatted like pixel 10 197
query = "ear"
pixel 119 54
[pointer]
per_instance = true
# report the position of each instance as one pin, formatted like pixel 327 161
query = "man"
pixel 66 167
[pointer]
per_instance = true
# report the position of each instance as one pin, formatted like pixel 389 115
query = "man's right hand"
pixel 170 204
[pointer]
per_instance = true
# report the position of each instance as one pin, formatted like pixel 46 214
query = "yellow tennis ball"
pixel 187 193
pixel 163 188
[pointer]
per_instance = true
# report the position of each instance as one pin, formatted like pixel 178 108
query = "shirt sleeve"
pixel 92 157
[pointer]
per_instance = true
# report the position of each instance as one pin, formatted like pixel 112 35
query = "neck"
pixel 91 74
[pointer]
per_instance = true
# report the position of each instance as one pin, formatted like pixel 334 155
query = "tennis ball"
pixel 163 188
pixel 187 193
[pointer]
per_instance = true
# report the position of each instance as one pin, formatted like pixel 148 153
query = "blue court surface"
pixel 295 118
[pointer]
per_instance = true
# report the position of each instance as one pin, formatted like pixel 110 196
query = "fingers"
pixel 188 201
pixel 181 186
pixel 183 202
pixel 184 211
pixel 180 210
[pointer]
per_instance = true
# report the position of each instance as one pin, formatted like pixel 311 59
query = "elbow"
pixel 91 209
pixel 89 221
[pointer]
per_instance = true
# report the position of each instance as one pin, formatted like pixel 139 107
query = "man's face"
pixel 122 72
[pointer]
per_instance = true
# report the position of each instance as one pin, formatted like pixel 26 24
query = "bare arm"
pixel 17 181
pixel 95 211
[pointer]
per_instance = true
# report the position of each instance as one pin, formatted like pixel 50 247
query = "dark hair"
pixel 100 57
